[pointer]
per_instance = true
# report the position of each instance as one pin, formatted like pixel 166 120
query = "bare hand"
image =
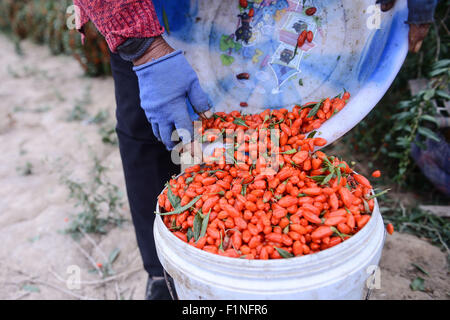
pixel 417 32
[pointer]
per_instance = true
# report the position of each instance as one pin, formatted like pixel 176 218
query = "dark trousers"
pixel 146 162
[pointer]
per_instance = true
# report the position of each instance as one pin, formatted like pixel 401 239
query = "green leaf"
pixel 244 190
pixel 420 269
pixel 218 117
pixel 327 178
pixel 30 288
pixel 189 180
pixel 197 226
pixel 174 200
pixel 283 253
pixel 180 209
pixel 340 234
pixel 418 284
pixel 404 104
pixel 441 63
pixel 301 108
pixel 427 117
pixel 366 206
pixel 317 178
pixel 34 239
pixel 221 242
pixel 314 110
pixel 173 226
pixel 443 94
pixel 211 172
pixel 300 195
pixel 437 72
pixel 429 94
pixel 428 133
pixel 292 151
pixel 311 135
pixel 338 175
pixel 327 162
pixel 113 255
pixel 403 142
pixel 240 122
pixel 230 153
pixel 378 194
pixel 403 115
pixel 189 234
pixel 338 96
pixel 396 155
pixel 286 229
pixel 204 225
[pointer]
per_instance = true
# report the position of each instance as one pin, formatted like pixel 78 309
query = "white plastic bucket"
pixel 340 272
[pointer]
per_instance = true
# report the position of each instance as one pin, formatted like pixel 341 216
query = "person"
pixel 147 73
pixel 153 84
pixel 420 17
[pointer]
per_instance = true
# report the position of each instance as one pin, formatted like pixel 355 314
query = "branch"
pixel 91 260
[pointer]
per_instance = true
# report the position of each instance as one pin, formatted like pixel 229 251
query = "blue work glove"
pixel 164 86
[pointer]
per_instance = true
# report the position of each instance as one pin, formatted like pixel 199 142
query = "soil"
pixel 38 146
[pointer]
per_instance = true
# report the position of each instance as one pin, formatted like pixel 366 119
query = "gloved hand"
pixel 421 14
pixel 164 85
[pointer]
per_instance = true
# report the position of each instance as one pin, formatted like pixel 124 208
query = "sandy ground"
pixel 37 93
